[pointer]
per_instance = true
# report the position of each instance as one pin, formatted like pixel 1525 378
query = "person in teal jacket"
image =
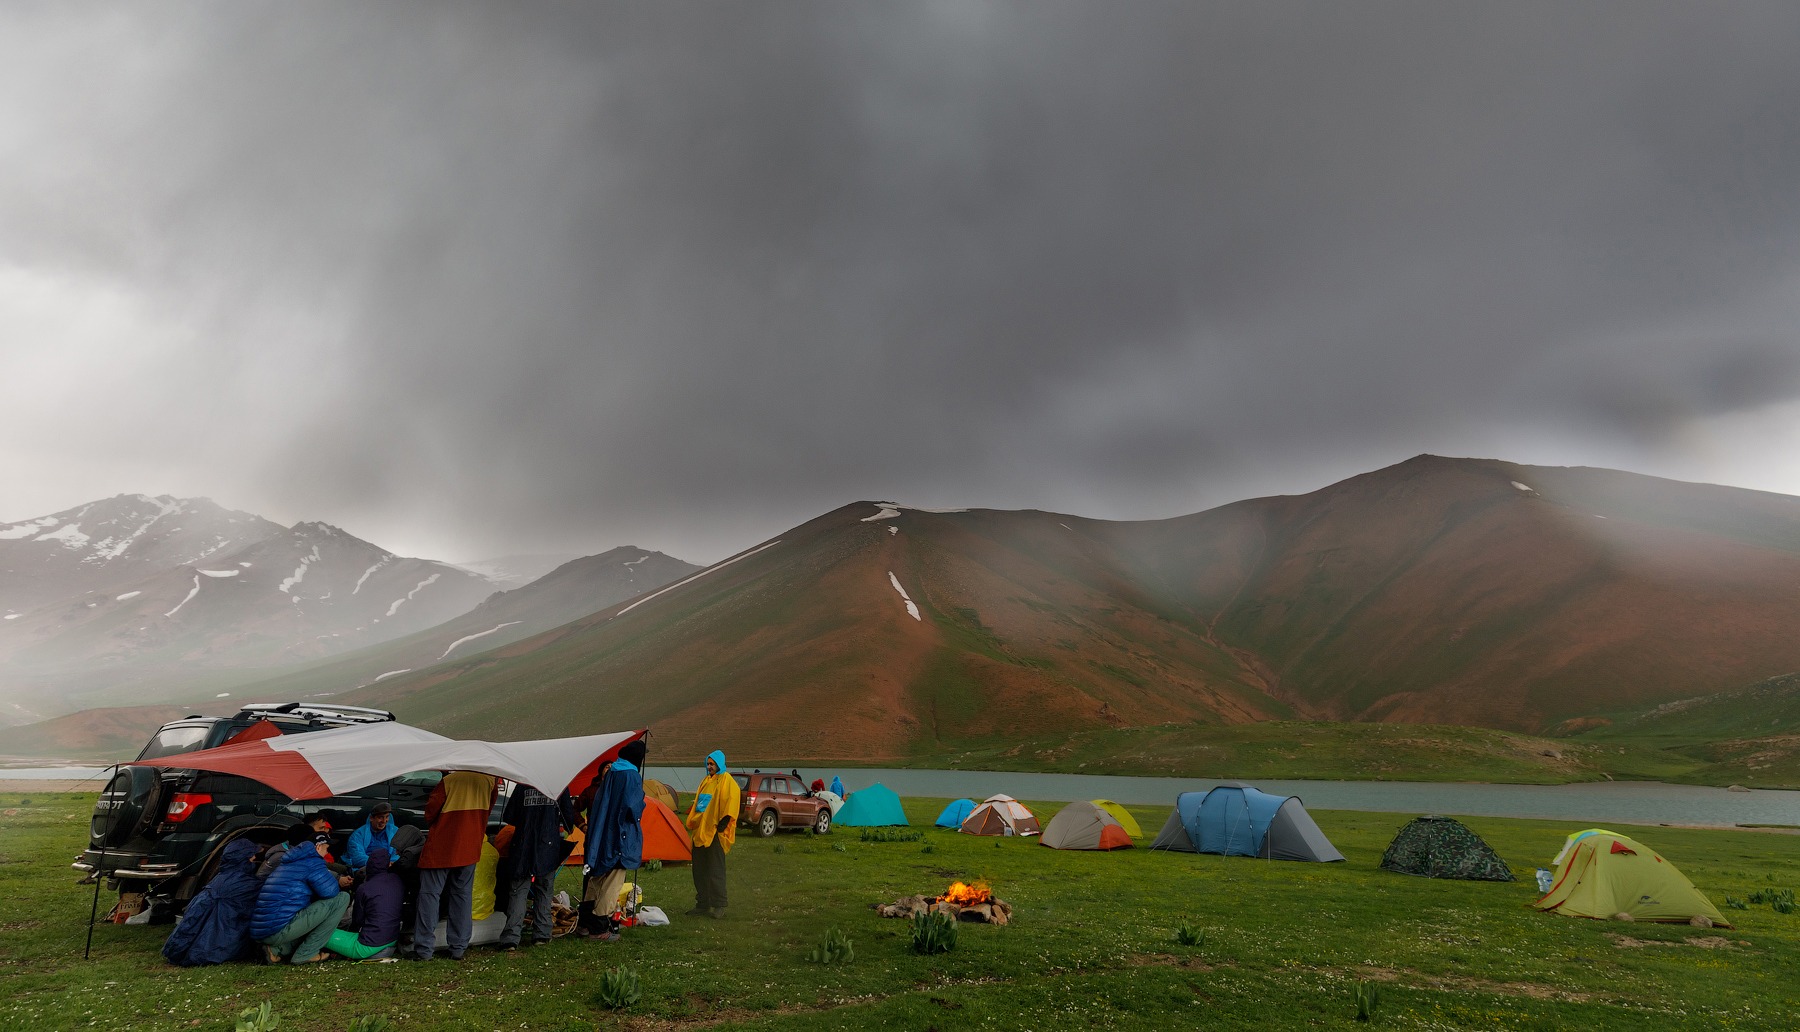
pixel 378 830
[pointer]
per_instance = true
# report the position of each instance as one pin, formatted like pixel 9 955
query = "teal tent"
pixel 872 807
pixel 955 814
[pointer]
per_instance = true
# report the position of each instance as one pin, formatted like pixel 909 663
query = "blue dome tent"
pixel 1236 819
pixel 872 807
pixel 955 814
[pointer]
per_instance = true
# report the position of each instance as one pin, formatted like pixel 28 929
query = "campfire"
pixel 962 901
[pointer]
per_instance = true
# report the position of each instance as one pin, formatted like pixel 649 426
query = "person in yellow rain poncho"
pixel 712 822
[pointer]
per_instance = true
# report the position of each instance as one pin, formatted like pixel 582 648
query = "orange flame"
pixel 967 895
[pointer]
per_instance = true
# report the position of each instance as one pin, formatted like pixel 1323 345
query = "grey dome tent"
pixel 1236 819
pixel 1441 847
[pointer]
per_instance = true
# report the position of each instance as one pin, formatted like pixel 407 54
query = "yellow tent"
pixel 654 789
pixel 1120 814
pixel 1604 874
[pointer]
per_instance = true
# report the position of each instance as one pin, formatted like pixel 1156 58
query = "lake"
pixel 1628 802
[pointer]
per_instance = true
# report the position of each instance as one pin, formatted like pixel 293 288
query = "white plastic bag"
pixel 651 917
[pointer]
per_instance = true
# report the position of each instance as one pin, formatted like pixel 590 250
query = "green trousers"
pixel 346 944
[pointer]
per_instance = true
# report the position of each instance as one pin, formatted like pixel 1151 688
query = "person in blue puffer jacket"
pixel 300 905
pixel 215 927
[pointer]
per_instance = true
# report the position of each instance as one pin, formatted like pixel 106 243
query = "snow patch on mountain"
pixel 128 594
pixel 359 581
pixel 472 637
pixel 636 561
pixel 299 573
pixel 70 535
pixel 697 576
pixel 409 595
pixel 27 529
pixel 912 608
pixel 219 573
pixel 190 597
pixel 392 673
pixel 884 511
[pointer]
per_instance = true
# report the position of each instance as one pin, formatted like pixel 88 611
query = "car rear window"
pixel 743 781
pixel 171 741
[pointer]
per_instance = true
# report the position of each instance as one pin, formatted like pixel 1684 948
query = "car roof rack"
pixel 348 714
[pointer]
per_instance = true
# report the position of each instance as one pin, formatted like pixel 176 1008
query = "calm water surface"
pixel 1634 802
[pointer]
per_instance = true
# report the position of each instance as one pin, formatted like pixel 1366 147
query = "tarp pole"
pixel 94 909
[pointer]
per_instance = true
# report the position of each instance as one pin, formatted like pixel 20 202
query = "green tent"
pixel 872 807
pixel 1605 874
pixel 1442 847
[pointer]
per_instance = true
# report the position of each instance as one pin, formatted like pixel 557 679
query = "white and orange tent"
pixel 1000 815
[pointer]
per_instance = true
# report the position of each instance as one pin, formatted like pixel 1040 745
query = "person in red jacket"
pixel 457 814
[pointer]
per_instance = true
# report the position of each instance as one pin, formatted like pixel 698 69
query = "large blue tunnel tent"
pixel 1236 819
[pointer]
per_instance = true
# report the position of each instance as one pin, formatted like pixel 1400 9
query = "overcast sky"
pixel 471 279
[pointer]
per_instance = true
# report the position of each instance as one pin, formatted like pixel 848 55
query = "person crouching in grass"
pixel 300 905
pixel 374 912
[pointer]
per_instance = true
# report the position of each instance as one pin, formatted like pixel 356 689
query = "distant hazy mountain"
pixel 515 571
pixel 134 592
pixel 573 590
pixel 1435 591
pixel 113 544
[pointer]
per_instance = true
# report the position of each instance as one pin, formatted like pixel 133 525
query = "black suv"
pixel 161 832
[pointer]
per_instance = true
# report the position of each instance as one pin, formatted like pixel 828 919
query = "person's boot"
pixel 700 910
pixel 587 923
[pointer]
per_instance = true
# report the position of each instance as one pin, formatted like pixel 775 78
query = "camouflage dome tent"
pixel 1441 847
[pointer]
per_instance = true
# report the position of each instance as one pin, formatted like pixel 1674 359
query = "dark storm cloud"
pixel 685 274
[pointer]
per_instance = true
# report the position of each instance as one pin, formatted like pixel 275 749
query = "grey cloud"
pixel 684 273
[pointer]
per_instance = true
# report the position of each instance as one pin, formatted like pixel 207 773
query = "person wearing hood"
pixel 374 912
pixel 377 831
pixel 615 839
pixel 457 812
pixel 712 824
pixel 837 786
pixel 300 905
pixel 533 853
pixel 215 927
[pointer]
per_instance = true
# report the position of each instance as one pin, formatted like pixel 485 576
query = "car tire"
pixel 768 823
pixel 133 799
pixel 822 823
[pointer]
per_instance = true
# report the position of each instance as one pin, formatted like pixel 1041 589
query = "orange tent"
pixel 664 836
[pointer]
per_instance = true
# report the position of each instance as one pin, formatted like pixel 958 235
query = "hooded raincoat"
pixel 615 838
pixel 216 926
pixel 716 798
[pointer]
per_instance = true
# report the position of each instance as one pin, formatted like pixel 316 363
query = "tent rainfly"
pixel 872 807
pixel 954 814
pixel 1122 815
pixel 1604 874
pixel 1084 826
pixel 1236 819
pixel 1000 815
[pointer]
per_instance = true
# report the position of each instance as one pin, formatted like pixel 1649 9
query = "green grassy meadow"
pixel 1092 945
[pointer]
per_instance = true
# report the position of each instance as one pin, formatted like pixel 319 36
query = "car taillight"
pixel 183 805
pixel 753 799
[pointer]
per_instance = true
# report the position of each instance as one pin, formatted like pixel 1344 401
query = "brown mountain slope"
pixel 1479 592
pixel 805 646
pixel 1435 591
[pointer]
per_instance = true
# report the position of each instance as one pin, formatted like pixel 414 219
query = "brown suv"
pixel 775 801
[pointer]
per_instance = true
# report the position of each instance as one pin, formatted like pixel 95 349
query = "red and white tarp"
pixel 321 764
